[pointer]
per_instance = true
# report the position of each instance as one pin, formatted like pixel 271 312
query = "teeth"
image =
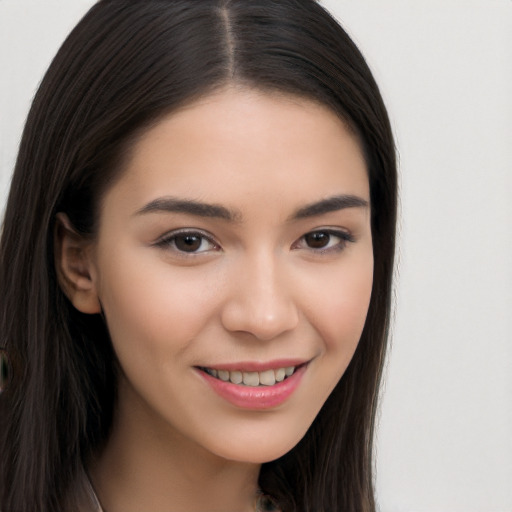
pixel 268 378
pixel 223 375
pixel 280 374
pixel 236 377
pixel 265 378
pixel 251 378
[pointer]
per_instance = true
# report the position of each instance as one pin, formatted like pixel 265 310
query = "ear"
pixel 74 267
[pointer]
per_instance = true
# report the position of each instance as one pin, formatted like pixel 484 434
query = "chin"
pixel 259 448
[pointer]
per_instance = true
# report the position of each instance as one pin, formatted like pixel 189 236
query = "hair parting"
pixel 124 67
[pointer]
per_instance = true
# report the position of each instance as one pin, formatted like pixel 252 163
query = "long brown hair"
pixel 125 66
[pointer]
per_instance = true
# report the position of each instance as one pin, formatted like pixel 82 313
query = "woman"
pixel 196 265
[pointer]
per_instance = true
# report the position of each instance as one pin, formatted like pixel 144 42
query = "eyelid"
pixel 165 240
pixel 344 236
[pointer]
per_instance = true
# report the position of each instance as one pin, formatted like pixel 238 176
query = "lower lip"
pixel 261 397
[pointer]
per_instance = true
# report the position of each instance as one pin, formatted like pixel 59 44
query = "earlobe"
pixel 74 266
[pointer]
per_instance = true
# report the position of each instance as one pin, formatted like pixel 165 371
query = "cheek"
pixel 339 317
pixel 342 305
pixel 152 305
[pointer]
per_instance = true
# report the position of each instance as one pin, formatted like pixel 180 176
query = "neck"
pixel 147 465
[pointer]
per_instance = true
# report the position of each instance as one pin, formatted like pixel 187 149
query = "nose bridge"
pixel 261 301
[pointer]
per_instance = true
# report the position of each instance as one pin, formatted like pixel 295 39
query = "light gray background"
pixel 444 66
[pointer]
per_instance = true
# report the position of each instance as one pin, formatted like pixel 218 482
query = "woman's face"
pixel 236 245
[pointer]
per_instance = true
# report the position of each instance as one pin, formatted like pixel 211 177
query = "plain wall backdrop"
pixel 444 441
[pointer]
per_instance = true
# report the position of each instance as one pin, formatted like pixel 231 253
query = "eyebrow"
pixel 331 204
pixel 174 205
pixel 191 207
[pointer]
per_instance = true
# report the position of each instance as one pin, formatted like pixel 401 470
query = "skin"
pixel 254 290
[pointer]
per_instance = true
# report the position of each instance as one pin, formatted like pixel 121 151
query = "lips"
pixel 254 386
pixel 247 378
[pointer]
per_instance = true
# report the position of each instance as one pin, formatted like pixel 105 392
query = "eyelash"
pixel 344 239
pixel 169 241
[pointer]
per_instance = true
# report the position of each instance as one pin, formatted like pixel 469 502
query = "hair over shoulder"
pixel 125 66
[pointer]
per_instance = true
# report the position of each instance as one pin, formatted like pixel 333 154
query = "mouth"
pixel 263 378
pixel 254 385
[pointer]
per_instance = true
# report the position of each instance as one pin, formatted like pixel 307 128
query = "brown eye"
pixel 188 243
pixel 317 239
pixel 324 241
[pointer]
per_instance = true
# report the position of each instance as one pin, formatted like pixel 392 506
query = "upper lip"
pixel 257 366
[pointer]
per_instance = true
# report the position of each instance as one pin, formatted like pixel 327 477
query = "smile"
pixel 254 379
pixel 252 386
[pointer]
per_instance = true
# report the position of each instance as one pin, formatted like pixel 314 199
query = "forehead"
pixel 242 144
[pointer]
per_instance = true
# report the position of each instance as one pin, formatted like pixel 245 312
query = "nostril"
pixel 260 301
pixel 259 321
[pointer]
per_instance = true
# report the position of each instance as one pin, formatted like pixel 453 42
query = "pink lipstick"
pixel 253 385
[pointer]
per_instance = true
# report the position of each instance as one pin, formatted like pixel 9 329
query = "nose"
pixel 261 300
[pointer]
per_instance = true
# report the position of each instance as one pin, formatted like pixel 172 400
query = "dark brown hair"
pixel 126 65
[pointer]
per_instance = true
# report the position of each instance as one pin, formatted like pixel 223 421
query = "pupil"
pixel 188 243
pixel 317 240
